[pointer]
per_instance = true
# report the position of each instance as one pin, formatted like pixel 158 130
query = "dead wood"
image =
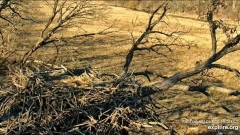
pixel 149 30
pixel 231 46
pixel 63 17
pixel 43 106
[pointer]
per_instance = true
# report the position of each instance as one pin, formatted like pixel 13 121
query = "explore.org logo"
pixel 214 124
pixel 218 127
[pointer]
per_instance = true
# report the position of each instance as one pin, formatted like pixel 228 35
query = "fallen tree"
pixel 232 45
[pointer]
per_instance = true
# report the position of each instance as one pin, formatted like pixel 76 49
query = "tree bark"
pixel 229 47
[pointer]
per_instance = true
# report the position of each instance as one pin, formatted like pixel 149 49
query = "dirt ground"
pixel 106 53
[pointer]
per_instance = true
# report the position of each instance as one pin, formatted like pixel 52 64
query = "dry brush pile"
pixel 40 103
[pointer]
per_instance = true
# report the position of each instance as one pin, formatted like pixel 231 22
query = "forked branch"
pixel 62 18
pixel 149 30
pixel 232 45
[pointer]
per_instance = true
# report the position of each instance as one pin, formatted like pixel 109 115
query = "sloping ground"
pixel 101 50
pixel 107 52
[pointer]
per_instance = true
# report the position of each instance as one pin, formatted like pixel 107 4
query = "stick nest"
pixel 37 102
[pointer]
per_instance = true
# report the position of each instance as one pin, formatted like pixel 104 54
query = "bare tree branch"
pixel 232 45
pixel 19 15
pixel 13 7
pixel 219 66
pixel 148 31
pixel 213 26
pixel 229 47
pixel 2 37
pixel 62 17
pixel 8 21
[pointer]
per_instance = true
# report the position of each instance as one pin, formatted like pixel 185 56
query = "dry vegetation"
pixel 80 67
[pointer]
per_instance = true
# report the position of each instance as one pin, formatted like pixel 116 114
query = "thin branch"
pixel 2 37
pixel 19 15
pixel 144 35
pixel 219 66
pixel 213 25
pixel 61 21
pixel 152 25
pixel 145 73
pixel 8 21
pixel 54 13
pixel 231 46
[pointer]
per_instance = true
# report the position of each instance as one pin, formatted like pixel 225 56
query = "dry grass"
pixel 37 106
pixel 90 103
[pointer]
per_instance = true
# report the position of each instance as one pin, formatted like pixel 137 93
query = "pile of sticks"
pixel 43 106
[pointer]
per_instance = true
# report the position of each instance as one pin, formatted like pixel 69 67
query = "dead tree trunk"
pixel 213 26
pixel 232 45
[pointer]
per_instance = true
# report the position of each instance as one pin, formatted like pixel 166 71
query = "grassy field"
pixel 106 53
